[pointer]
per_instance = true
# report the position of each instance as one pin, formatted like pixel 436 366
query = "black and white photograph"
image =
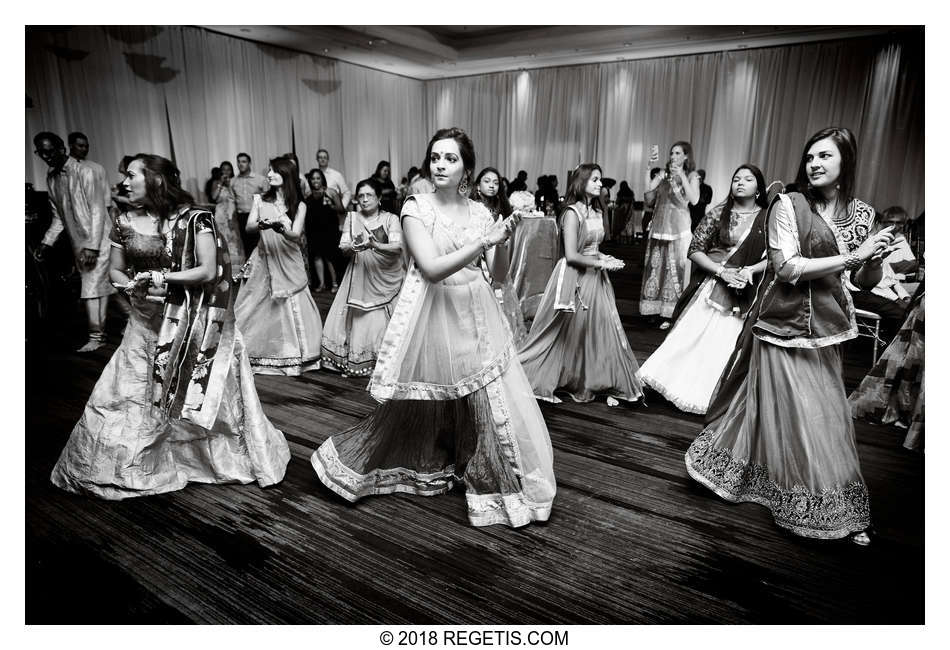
pixel 441 330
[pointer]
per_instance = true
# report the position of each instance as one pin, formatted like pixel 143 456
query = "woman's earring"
pixel 463 187
pixel 756 195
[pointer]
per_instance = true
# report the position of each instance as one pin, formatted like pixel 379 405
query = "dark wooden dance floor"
pixel 632 538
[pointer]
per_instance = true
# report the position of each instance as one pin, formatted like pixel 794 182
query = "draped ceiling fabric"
pixel 206 96
pixel 755 106
pixel 223 96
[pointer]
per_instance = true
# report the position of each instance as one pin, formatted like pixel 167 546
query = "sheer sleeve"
pixel 706 233
pixel 784 247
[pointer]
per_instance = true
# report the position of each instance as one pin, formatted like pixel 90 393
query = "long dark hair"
pixel 163 191
pixel 466 149
pixel 761 199
pixel 847 147
pixel 498 204
pixel 687 148
pixel 288 187
pixel 577 187
pixel 323 178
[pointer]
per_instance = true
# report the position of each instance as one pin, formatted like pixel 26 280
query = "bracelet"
pixel 722 267
pixel 852 261
pixel 485 243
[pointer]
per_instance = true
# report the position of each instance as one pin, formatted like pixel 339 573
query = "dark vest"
pixel 813 313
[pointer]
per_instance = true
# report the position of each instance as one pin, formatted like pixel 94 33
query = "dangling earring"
pixel 463 186
pixel 756 195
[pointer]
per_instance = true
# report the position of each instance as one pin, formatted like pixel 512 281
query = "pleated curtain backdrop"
pixel 224 95
pixel 755 106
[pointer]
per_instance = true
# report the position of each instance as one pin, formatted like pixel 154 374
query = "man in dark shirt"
pixel 520 184
pixel 698 211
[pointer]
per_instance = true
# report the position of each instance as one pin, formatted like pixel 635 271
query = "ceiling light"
pixel 627 44
pixel 245 30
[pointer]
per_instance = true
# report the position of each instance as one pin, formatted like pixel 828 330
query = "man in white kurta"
pixel 78 196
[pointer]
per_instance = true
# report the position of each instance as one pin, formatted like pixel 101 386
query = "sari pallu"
pixel 197 335
pixel 709 317
pixel 286 272
pixel 360 312
pixel 748 251
pixel 374 278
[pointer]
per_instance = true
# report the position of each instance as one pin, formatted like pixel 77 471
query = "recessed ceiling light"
pixel 627 44
pixel 325 50
pixel 370 42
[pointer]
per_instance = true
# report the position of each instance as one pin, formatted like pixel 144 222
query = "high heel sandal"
pixel 861 538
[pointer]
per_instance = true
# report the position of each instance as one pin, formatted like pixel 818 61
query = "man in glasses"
pixel 78 196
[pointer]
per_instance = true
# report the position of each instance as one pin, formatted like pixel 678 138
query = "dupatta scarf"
pixel 569 276
pixel 375 277
pixel 197 335
pixel 749 250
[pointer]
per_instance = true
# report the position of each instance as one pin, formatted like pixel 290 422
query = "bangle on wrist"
pixel 719 271
pixel 483 240
pixel 852 261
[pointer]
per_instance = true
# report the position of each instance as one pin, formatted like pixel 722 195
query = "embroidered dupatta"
pixel 197 334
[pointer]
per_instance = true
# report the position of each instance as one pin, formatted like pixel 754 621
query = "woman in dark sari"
pixel 177 402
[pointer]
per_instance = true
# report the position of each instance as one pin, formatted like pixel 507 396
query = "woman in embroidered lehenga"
pixel 779 430
pixel 728 252
pixel 363 306
pixel 487 190
pixel 456 405
pixel 176 403
pixel 665 266
pixel 275 311
pixel 577 344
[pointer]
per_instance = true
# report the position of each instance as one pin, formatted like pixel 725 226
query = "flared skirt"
pixel 686 367
pixel 493 441
pixel 124 447
pixel 787 442
pixel 583 353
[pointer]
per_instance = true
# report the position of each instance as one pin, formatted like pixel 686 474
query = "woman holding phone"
pixel 670 192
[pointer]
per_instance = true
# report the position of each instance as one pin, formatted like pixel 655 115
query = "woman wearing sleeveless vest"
pixel 779 430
